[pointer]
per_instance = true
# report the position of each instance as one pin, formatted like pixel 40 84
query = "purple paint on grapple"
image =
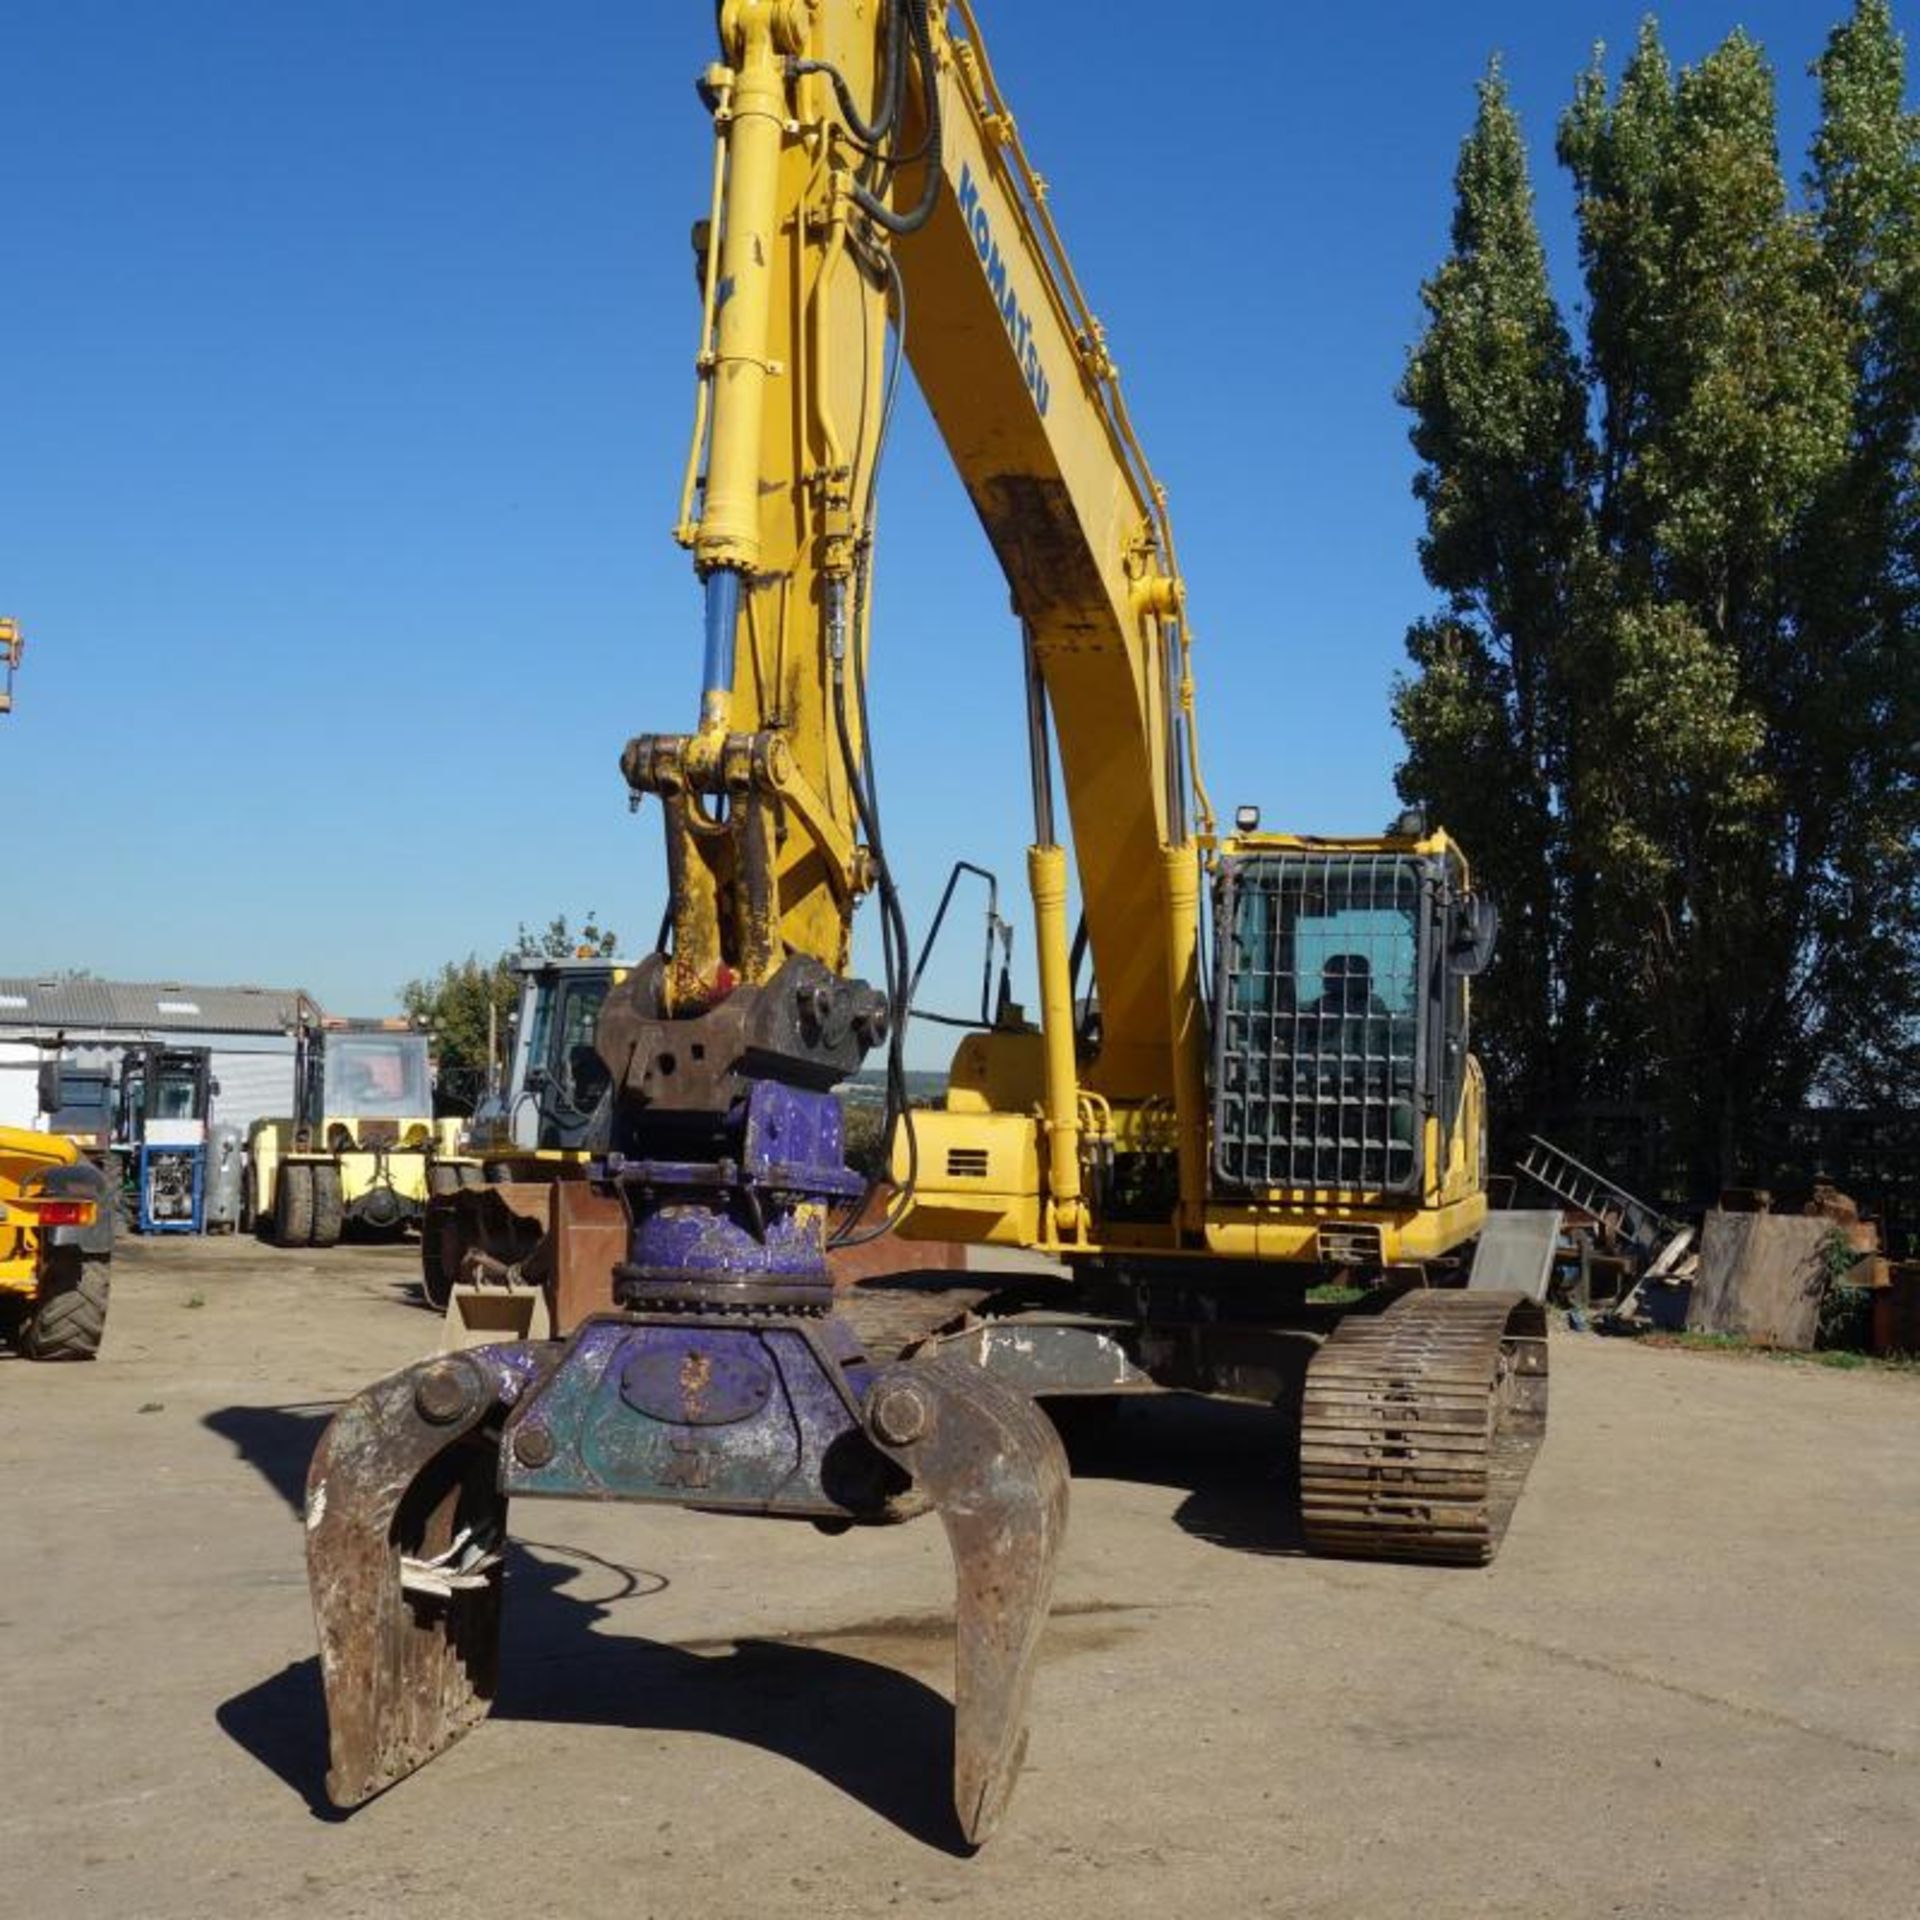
pixel 703 1232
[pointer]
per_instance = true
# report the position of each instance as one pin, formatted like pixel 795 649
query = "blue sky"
pixel 345 375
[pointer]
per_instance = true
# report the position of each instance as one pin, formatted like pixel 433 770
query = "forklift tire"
pixel 72 1311
pixel 293 1207
pixel 329 1207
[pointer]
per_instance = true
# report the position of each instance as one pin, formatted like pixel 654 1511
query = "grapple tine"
pixel 405 1525
pixel 992 1465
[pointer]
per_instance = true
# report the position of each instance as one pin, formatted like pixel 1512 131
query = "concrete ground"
pixel 1691 1685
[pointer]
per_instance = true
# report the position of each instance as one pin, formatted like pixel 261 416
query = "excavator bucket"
pixel 408 1496
pixel 490 1243
pixel 490 1304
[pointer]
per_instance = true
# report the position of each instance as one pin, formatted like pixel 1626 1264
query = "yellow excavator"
pixel 1249 1071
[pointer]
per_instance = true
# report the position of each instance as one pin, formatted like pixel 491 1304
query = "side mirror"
pixel 1476 935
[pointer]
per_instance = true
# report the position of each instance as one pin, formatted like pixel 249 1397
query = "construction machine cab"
pixel 164 1084
pixel 1340 1062
pixel 557 1080
pixel 164 1119
pixel 78 1101
pixel 530 1139
pixel 353 1079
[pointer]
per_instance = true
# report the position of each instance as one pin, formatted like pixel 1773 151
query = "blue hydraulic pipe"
pixel 723 617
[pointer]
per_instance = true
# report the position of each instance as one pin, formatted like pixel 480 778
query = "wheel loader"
pixel 56 1247
pixel 1248 1069
pixel 486 1221
pixel 362 1147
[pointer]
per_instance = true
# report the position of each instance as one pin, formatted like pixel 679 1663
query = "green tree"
pixel 1862 559
pixel 463 1005
pixel 557 940
pixel 1705 573
pixel 1500 428
pixel 467 1002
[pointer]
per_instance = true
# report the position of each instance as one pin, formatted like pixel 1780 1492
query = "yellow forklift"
pixel 362 1146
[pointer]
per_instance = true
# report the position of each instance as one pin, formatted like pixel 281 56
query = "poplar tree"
pixel 1716 567
pixel 1488 717
pixel 1862 559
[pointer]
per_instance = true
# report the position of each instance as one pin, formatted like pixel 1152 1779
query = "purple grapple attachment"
pixel 723 1381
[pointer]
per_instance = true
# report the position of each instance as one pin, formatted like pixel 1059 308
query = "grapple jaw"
pixel 993 1467
pixel 777 1415
pixel 405 1528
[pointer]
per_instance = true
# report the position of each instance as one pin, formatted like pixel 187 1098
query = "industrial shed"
pixel 248 1029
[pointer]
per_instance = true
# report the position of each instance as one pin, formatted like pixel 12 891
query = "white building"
pixel 249 1031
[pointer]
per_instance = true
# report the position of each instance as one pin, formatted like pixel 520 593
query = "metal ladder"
pixel 1634 1220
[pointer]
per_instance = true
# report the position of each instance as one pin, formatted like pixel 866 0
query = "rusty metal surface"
pixel 805 1026
pixel 1051 1355
pixel 590 1235
pixel 889 1317
pixel 1420 1426
pixel 993 1466
pixel 404 1477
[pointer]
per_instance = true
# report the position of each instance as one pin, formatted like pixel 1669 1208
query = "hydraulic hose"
pixel 869 136
pixel 876 209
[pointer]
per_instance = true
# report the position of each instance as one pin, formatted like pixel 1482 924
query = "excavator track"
pixel 1419 1426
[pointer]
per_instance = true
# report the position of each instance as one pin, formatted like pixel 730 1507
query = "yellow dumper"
pixel 56 1242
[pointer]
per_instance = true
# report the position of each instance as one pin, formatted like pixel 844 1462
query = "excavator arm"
pixel 868 173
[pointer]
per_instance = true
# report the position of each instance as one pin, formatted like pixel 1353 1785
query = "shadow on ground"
pixel 276 1442
pixel 880 1736
pixel 1237 1465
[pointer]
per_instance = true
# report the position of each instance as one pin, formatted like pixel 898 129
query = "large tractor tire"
pixel 71 1313
pixel 329 1207
pixel 293 1206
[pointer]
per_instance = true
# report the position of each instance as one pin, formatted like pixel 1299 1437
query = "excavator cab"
pixel 1343 1099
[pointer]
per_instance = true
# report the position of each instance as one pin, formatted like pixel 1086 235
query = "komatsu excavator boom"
pixel 1192 1132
